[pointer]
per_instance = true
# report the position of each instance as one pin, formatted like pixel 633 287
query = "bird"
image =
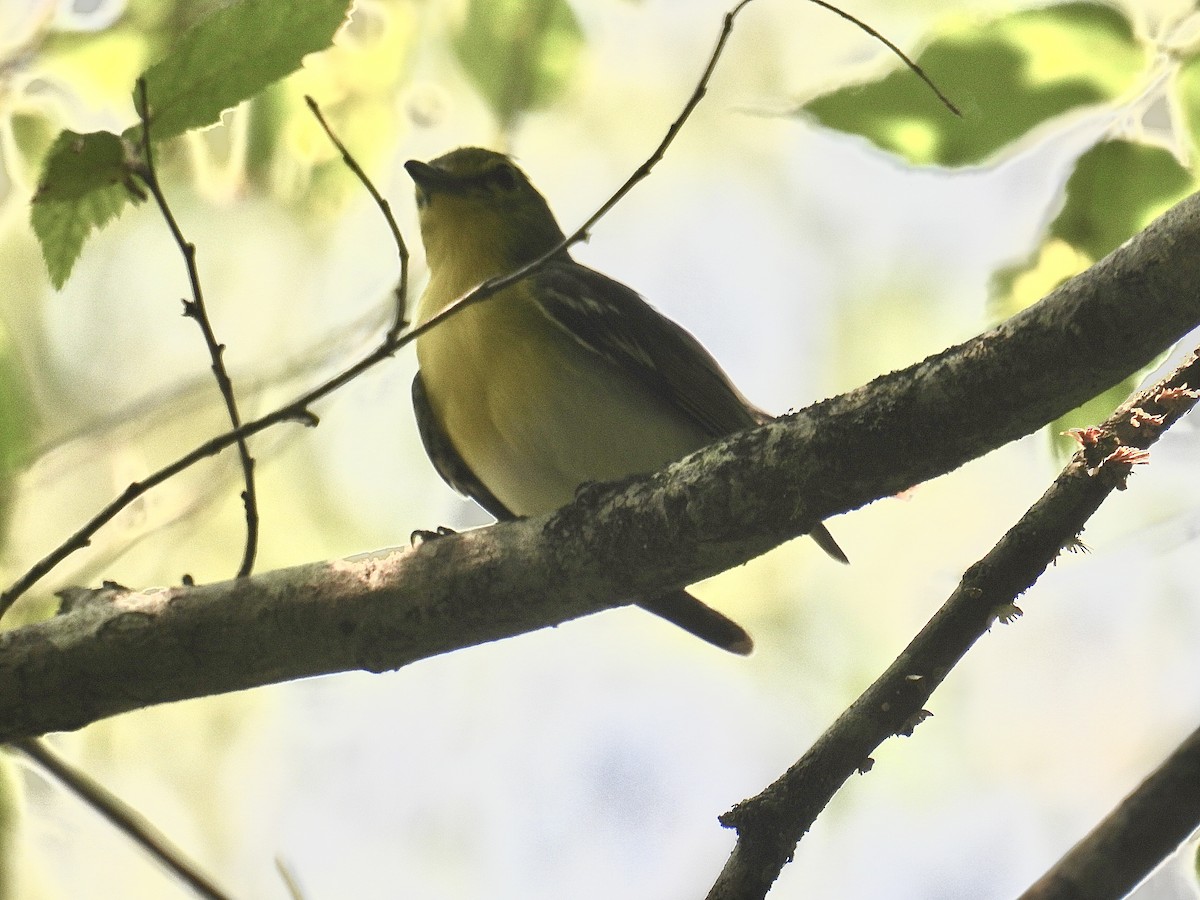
pixel 565 377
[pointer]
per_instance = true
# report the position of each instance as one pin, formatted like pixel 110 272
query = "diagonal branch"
pixel 1145 828
pixel 116 650
pixel 298 410
pixel 770 825
pixel 122 816
pixel 400 318
pixel 197 310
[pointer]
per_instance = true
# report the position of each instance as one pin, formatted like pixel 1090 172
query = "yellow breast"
pixel 533 413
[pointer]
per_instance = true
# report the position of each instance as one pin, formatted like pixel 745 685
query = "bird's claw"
pixel 420 536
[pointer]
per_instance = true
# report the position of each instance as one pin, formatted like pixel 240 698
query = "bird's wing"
pixel 608 318
pixel 446 458
pixel 613 321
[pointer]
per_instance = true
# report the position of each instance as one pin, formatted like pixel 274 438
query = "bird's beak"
pixel 429 180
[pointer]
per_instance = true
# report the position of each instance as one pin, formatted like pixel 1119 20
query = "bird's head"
pixel 478 209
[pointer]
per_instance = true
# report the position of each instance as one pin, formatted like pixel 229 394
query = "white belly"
pixel 538 416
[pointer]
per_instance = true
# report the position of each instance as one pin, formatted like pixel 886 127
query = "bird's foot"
pixel 420 536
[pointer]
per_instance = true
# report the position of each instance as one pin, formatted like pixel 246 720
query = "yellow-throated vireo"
pixel 565 377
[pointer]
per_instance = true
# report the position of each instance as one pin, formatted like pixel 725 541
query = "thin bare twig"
pixel 196 309
pixel 121 815
pixel 385 611
pixel 916 69
pixel 771 824
pixel 298 410
pixel 400 322
pixel 290 882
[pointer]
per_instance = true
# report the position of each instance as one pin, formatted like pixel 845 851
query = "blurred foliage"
pixel 64 73
pixel 1008 76
pixel 82 188
pixel 1187 91
pixel 222 60
pixel 86 77
pixel 231 56
pixel 17 424
pixel 356 82
pixel 97 66
pixel 10 820
pixel 1116 189
pixel 1013 75
pixel 519 54
pixel 1017 73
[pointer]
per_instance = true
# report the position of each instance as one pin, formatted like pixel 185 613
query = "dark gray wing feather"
pixel 613 321
pixel 446 459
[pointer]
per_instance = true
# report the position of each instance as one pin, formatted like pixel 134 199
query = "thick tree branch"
pixel 770 824
pixel 396 337
pixel 116 650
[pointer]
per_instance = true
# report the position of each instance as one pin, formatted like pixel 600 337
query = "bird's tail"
pixel 825 541
pixel 682 609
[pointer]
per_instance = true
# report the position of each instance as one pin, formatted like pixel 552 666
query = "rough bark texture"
pixel 116 650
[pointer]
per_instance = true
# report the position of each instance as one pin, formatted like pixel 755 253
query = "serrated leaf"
pixel 1117 189
pixel 1007 75
pixel 518 53
pixel 232 55
pixel 78 164
pixel 62 226
pixel 82 187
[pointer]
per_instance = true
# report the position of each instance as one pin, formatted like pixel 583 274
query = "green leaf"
pixel 33 135
pixel 1118 187
pixel 1115 191
pixel 78 164
pixel 518 53
pixel 224 59
pixel 82 188
pixel 62 226
pixel 231 56
pixel 1008 76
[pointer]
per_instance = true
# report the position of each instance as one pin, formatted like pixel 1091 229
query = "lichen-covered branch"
pixel 116 650
pixel 770 825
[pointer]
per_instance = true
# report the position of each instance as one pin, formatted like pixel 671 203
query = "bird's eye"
pixel 504 177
